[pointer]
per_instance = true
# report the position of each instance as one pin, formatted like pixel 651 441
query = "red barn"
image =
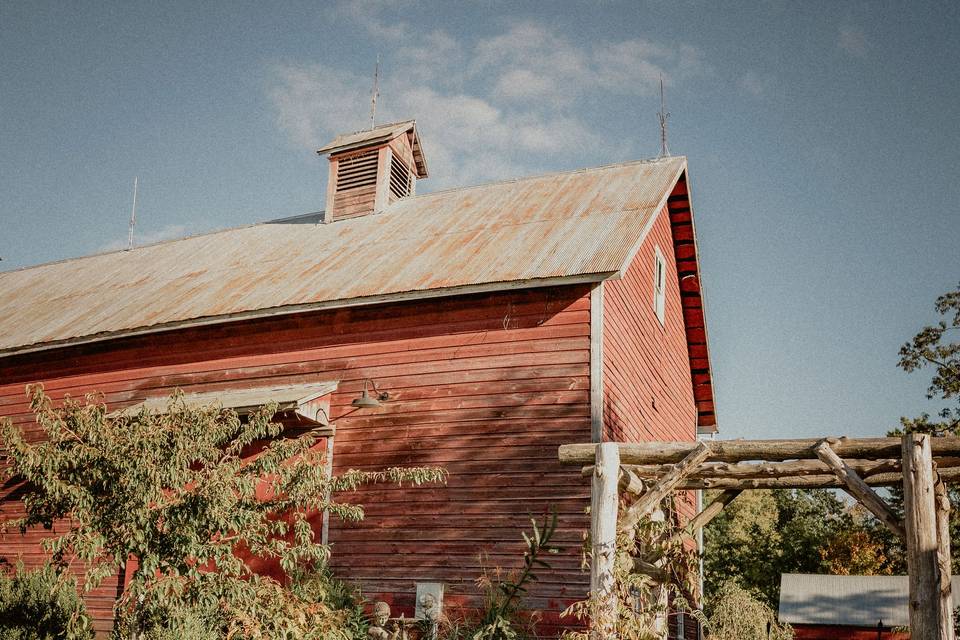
pixel 501 320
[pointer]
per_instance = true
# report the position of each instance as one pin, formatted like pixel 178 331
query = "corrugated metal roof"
pixel 580 223
pixel 854 601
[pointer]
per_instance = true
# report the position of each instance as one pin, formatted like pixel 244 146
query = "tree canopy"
pixel 185 500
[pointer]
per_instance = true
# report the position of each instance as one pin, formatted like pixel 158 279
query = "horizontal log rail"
pixel 768 469
pixel 641 453
pixel 949 475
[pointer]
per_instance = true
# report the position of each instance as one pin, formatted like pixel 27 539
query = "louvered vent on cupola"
pixel 369 170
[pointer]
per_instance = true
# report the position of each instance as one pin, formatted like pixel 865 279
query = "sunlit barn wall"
pixel 486 386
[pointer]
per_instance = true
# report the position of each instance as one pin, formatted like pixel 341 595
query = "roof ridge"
pixel 549 174
pixel 107 252
pixel 418 196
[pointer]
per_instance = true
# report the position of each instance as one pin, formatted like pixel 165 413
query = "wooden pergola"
pixel 650 471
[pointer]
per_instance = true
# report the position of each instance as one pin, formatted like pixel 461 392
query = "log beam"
pixel 859 489
pixel 709 512
pixel 656 573
pixel 950 475
pixel 630 482
pixel 712 470
pixel 743 450
pixel 650 500
pixel 921 519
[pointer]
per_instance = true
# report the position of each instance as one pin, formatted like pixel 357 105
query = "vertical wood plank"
pixel 596 363
pixel 330 213
pixel 921 526
pixel 604 497
pixel 380 200
pixel 944 558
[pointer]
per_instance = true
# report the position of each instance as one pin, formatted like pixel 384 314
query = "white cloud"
pixel 488 107
pixel 854 42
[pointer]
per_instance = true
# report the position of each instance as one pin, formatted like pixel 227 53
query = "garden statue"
pixel 430 609
pixel 381 619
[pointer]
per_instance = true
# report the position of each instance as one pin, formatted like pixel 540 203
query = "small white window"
pixel 659 282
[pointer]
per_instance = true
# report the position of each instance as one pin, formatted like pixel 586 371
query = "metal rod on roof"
pixel 133 216
pixel 376 93
pixel 663 116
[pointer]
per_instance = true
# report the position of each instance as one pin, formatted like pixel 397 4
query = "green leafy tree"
pixel 764 533
pixel 184 499
pixel 931 349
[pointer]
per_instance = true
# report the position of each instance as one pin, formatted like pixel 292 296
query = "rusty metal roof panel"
pixel 521 231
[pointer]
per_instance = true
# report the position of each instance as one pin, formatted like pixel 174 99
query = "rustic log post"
pixel 604 498
pixel 651 499
pixel 944 559
pixel 921 527
pixel 859 489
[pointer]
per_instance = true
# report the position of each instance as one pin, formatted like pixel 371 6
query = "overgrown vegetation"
pixel 503 595
pixel 643 602
pixel 42 604
pixel 183 499
pixel 736 614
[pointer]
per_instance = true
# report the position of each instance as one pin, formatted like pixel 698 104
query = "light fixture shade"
pixel 365 401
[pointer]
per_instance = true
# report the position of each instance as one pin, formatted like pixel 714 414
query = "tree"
pixel 857 549
pixel 765 533
pixel 930 349
pixel 184 499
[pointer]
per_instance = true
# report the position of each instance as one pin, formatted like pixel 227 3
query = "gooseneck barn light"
pixel 366 401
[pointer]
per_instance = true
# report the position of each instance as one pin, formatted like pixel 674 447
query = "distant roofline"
pixel 292 218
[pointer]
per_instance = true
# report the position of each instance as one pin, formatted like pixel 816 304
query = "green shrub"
pixel 41 605
pixel 736 614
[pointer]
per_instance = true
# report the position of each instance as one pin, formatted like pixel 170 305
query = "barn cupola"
pixel 372 169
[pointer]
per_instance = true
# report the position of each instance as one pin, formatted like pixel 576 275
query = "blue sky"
pixel 823 142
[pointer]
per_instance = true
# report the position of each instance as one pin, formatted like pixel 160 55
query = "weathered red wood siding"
pixel 648 392
pixel 647 387
pixel 486 386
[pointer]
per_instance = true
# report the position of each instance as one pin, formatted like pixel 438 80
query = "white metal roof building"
pixel 846 601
